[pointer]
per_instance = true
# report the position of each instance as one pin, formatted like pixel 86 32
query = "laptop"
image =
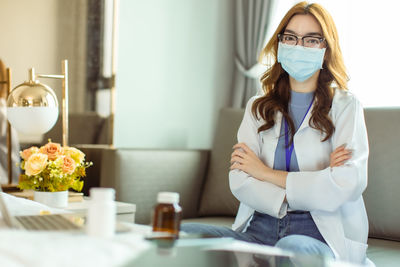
pixel 49 222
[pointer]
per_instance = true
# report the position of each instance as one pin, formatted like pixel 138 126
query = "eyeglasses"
pixel 307 41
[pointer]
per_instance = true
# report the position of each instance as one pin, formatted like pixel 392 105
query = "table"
pixel 63 249
pixel 125 211
pixel 79 204
pixel 226 253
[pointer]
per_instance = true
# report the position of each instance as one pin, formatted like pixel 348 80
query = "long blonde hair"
pixel 275 80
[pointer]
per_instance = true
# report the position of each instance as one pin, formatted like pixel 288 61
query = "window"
pixel 369 41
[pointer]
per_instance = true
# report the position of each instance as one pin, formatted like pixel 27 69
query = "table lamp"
pixel 32 107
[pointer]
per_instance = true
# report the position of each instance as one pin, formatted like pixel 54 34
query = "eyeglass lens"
pixel 307 41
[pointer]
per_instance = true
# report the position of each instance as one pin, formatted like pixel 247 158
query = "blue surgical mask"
pixel 300 62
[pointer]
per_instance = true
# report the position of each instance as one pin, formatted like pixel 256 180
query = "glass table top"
pixel 210 253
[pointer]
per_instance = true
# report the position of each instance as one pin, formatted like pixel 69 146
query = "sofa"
pixel 201 179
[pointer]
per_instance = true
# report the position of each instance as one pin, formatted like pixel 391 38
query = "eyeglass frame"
pixel 322 39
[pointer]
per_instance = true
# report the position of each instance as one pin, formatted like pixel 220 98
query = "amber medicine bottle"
pixel 167 214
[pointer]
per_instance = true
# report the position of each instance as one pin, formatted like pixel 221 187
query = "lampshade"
pixel 32 107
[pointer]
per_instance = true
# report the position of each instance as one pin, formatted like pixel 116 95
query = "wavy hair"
pixel 275 81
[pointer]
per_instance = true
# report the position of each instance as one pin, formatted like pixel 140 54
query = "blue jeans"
pixel 296 232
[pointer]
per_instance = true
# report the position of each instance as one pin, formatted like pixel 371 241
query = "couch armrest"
pixel 138 175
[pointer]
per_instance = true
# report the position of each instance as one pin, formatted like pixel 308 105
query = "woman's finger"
pixel 236 166
pixel 342 158
pixel 340 161
pixel 338 149
pixel 337 154
pixel 342 153
pixel 237 159
pixel 243 146
pixel 238 153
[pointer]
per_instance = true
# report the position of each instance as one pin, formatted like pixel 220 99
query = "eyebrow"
pixel 307 34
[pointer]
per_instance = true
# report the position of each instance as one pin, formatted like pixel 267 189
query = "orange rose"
pixel 36 164
pixel 52 150
pixel 74 153
pixel 69 165
pixel 28 152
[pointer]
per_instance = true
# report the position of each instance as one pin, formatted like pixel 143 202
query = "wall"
pixel 28 36
pixel 174 72
pixel 40 34
pixel 28 40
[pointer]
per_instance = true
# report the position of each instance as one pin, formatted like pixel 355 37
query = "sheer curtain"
pixel 252 19
pixel 368 39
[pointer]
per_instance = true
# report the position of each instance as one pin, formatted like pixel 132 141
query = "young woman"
pixel 300 166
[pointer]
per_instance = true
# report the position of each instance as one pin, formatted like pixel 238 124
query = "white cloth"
pixel 15 158
pixel 40 249
pixel 19 248
pixel 332 195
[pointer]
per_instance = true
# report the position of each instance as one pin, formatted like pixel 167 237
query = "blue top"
pixel 298 106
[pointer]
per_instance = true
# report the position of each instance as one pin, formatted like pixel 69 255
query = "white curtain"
pixel 252 19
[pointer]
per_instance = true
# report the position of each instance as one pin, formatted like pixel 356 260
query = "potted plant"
pixel 51 170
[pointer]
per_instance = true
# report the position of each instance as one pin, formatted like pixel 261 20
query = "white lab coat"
pixel 332 195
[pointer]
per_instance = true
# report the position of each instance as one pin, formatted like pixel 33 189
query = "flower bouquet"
pixel 53 168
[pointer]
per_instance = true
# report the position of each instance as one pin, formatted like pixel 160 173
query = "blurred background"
pixel 178 62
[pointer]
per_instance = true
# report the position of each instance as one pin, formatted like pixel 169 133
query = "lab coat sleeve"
pixel 329 188
pixel 261 196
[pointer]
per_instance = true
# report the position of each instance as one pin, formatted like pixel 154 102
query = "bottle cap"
pixel 168 197
pixel 101 193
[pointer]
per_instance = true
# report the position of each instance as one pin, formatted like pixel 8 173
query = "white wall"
pixel 40 34
pixel 174 72
pixel 28 39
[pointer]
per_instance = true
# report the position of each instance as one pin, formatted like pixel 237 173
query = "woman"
pixel 300 166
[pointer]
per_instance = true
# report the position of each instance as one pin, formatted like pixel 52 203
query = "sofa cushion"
pixel 383 252
pixel 138 175
pixel 382 194
pixel 217 198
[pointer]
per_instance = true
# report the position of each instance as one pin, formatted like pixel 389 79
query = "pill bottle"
pixel 101 214
pixel 167 215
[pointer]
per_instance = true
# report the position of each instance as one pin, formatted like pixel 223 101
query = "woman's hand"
pixel 244 159
pixel 340 156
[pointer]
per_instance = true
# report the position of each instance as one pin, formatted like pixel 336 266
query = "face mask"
pixel 300 62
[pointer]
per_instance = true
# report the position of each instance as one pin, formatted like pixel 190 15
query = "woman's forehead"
pixel 303 25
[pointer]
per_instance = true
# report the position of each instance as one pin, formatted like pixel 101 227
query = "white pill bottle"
pixel 101 214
